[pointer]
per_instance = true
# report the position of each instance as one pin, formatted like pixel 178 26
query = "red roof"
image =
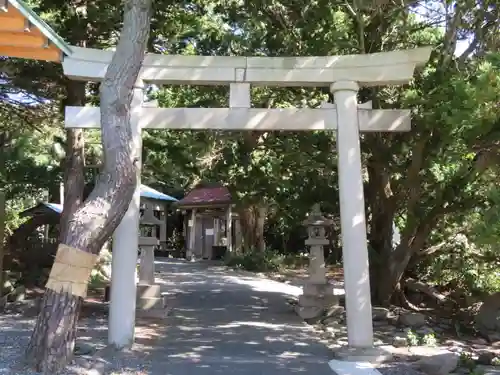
pixel 206 196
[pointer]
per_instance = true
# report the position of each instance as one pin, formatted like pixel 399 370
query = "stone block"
pixel 148 241
pixel 488 370
pixel 148 291
pixel 321 301
pixel 335 311
pixel 412 319
pixel 306 300
pixel 318 289
pixel 371 355
pixel 309 312
pixel 380 313
pixel 439 364
pixel 330 300
pixel 154 313
pixel 400 342
pixel 144 303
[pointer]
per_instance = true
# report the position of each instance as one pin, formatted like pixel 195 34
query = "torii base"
pixel 150 303
pixel 373 355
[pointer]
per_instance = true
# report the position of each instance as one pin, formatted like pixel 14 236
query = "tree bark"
pixel 392 267
pixel 74 162
pixel 380 203
pixel 2 234
pixel 252 221
pixel 90 226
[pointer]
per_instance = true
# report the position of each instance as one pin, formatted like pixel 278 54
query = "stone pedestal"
pixel 149 301
pixel 149 297
pixel 147 266
pixel 315 301
pixel 370 354
pixel 317 295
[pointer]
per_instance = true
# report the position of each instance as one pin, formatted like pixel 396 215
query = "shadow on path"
pixel 229 322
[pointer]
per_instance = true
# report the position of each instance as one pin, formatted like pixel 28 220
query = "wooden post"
pixel 238 238
pixel 61 193
pixel 192 235
pixel 216 231
pixel 163 226
pixel 229 226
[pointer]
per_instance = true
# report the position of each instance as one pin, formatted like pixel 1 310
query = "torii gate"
pixel 343 74
pixel 23 34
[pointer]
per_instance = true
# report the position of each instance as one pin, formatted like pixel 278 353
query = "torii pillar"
pixel 352 214
pixel 121 323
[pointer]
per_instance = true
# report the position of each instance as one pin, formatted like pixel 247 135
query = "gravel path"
pixel 398 369
pixel 222 322
pixel 15 332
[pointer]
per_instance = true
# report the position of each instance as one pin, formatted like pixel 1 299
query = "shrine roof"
pixel 24 34
pixel 206 196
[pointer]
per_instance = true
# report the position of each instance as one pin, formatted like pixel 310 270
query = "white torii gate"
pixel 343 74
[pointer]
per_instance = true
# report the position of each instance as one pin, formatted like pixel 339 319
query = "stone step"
pixel 320 301
pixel 154 313
pixel 315 289
pixel 148 291
pixel 151 303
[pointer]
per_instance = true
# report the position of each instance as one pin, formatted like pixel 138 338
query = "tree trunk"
pixel 252 220
pixel 2 234
pixel 90 226
pixel 392 267
pixel 381 207
pixel 74 162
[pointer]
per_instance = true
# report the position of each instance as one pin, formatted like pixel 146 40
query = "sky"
pixel 428 10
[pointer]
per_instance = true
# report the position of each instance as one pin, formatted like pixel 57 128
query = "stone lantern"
pixel 148 293
pixel 147 244
pixel 317 292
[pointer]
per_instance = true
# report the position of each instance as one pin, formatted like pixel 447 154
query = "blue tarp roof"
pixel 146 192
pixel 54 207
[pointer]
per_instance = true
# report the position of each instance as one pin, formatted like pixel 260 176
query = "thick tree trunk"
pixel 91 225
pixel 381 207
pixel 74 162
pixel 2 234
pixel 252 220
pixel 387 274
pixel 393 266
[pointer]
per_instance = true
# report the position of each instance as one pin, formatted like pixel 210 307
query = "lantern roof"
pixel 316 218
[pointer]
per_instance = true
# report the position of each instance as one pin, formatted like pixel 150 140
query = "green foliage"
pixel 435 182
pixel 266 261
pixel 464 265
pixel 429 339
pixel 255 261
pixel 99 277
pixel 467 362
pixel 415 339
pixel 412 338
